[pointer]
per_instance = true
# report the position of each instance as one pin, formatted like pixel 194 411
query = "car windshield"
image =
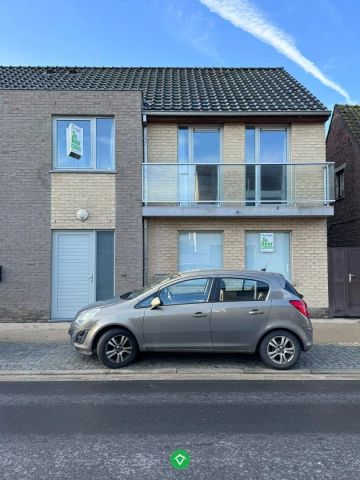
pixel 140 291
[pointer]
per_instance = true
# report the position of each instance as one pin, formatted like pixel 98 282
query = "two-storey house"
pixel 179 168
pixel 343 149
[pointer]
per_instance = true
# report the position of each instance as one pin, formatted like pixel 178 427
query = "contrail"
pixel 243 14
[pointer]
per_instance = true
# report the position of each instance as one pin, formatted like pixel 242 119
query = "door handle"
pixel 200 314
pixel 256 312
pixel 350 277
pixel 91 277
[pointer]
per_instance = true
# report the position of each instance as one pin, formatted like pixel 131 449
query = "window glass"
pixel 206 146
pixel 146 303
pixel 291 289
pixel 273 146
pixel 104 143
pixel 339 185
pixel 62 158
pixel 250 145
pixel 242 290
pixel 189 291
pixel 274 259
pixel 101 157
pixel 140 291
pixel 266 183
pixel 104 265
pixel 200 250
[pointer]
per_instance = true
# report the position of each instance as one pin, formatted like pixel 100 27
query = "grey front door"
pixel 354 281
pixel 344 281
pixel 240 312
pixel 183 320
pixel 73 273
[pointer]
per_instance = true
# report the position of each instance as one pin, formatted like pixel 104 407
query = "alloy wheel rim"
pixel 281 350
pixel 118 348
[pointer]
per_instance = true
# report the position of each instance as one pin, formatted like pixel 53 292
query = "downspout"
pixel 145 221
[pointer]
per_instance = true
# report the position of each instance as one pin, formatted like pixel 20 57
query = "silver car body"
pixel 210 326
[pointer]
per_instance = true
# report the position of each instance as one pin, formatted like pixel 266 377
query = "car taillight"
pixel 301 306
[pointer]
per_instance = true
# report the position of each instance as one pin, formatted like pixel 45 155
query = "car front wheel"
pixel 117 348
pixel 280 349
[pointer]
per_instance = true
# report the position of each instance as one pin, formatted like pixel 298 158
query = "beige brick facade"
pixel 162 142
pixel 307 142
pixel 308 248
pixel 307 145
pixel 94 192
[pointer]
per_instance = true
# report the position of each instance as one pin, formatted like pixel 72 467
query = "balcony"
pixel 238 189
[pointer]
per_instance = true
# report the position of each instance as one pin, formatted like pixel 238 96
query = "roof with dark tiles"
pixel 351 115
pixel 172 89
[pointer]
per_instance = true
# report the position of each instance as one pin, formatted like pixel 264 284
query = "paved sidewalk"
pixel 55 356
pixel 44 348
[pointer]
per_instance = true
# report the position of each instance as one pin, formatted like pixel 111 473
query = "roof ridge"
pixel 90 67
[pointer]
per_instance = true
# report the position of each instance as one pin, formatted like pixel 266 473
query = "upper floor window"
pixel 95 142
pixel 267 181
pixel 339 184
pixel 200 147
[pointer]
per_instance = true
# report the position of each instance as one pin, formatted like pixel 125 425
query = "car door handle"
pixel 200 314
pixel 256 312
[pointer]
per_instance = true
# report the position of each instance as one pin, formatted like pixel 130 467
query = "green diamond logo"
pixel 180 459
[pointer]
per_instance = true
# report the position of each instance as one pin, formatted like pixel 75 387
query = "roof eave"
pixel 181 113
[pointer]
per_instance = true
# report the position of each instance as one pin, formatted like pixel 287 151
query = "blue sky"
pixel 190 33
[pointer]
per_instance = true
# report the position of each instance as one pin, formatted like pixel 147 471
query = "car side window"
pixel 242 290
pixel 196 290
pixel 146 303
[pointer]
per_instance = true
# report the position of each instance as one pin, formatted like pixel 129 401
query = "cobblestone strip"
pixel 55 356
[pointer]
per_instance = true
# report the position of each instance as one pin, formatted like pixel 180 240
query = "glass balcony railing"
pixel 238 184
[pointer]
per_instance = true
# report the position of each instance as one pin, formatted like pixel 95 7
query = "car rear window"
pixel 291 289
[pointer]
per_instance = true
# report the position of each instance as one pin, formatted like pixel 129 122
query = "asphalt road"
pixel 232 429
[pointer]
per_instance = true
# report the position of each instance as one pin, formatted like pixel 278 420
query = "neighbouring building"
pixel 343 149
pixel 113 177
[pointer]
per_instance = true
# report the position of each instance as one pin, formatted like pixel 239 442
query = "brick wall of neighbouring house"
pixel 25 193
pixel 308 249
pixel 341 148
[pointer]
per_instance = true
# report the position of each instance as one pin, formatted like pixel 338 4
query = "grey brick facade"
pixel 25 193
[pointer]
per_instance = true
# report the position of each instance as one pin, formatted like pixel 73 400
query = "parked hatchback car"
pixel 200 311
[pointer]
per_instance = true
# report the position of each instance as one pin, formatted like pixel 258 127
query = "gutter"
pixel 235 113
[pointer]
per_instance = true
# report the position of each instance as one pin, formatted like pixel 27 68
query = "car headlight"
pixel 86 315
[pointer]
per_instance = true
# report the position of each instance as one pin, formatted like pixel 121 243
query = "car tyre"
pixel 280 349
pixel 117 348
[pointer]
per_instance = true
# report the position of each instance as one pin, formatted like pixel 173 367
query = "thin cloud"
pixel 196 29
pixel 243 14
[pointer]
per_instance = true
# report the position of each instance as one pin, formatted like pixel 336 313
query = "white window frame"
pixel 205 128
pixel 92 120
pixel 202 128
pixel 257 130
pixel 221 232
pixel 291 259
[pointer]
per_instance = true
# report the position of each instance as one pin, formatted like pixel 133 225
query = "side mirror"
pixel 155 302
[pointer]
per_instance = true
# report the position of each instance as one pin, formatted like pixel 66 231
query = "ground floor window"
pixel 104 265
pixel 269 251
pixel 200 250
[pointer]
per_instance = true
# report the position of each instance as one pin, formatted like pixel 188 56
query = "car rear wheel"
pixel 280 349
pixel 117 348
